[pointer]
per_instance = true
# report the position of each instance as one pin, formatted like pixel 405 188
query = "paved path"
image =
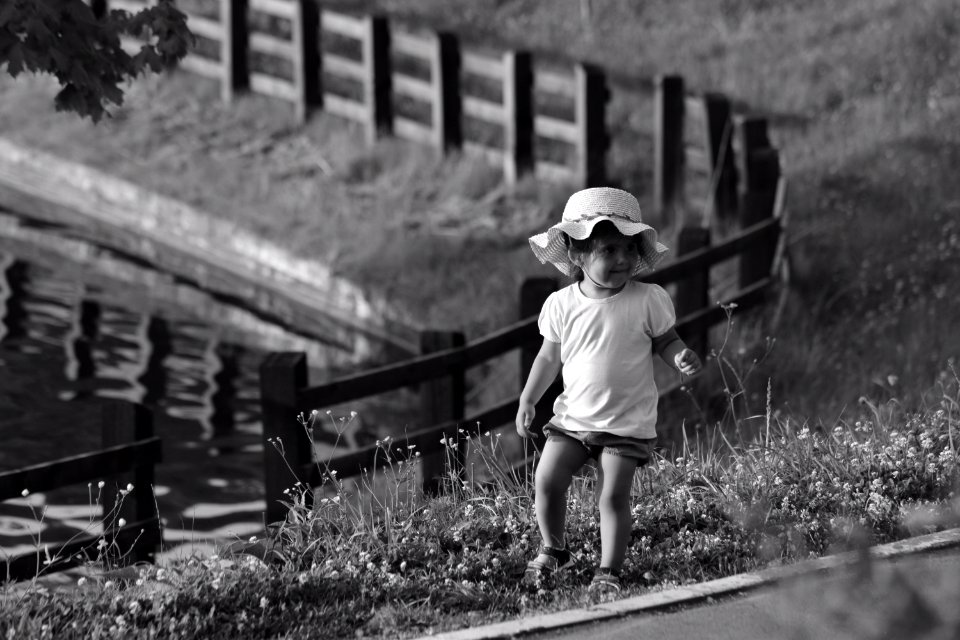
pixel 905 598
pixel 899 590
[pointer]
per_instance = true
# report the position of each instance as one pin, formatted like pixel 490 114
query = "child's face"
pixel 608 265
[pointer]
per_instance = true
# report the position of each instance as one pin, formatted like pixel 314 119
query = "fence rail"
pixel 130 452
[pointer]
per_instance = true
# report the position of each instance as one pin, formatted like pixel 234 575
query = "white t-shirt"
pixel 605 348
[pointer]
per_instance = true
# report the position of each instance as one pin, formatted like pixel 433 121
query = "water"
pixel 80 324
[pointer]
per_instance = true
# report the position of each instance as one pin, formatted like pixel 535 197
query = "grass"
pixel 393 562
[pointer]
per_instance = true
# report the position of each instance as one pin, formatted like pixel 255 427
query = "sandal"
pixel 549 560
pixel 605 581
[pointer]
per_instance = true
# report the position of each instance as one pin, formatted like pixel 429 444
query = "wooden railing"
pixel 441 370
pixel 128 455
pixel 525 113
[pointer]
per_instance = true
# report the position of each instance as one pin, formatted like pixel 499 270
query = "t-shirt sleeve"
pixel 550 321
pixel 660 313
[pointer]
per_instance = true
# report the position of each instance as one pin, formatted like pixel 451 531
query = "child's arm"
pixel 674 352
pixel 544 371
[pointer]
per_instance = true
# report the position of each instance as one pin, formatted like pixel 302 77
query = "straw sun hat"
pixel 583 211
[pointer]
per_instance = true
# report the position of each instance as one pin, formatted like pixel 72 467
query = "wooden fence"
pixel 128 455
pixel 524 113
pixel 441 370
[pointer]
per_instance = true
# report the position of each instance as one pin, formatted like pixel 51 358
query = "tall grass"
pixel 398 563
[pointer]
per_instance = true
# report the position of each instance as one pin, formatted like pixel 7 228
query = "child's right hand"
pixel 525 419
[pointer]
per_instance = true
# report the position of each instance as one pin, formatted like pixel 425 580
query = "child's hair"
pixel 585 246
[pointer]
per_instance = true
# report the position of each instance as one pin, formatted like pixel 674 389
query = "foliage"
pixel 85 53
pixel 387 560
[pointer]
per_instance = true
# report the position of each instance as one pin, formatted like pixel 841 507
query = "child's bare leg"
pixel 615 517
pixel 559 461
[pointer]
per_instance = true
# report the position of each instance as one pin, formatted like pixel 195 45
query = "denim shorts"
pixel 598 442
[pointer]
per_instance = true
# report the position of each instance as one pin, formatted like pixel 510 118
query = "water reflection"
pixel 71 335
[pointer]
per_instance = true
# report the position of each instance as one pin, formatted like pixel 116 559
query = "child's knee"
pixel 614 500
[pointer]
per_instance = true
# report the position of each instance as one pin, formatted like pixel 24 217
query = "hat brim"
pixel 550 247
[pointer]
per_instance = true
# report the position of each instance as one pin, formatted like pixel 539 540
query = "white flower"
pixel 129 486
pixel 25 493
pixel 121 522
pixel 100 484
pixel 264 602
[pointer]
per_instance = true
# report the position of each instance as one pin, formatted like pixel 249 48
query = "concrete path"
pixel 906 589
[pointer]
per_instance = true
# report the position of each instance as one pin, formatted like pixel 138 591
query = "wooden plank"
pixel 205 27
pixel 745 299
pixel 414 131
pixel 556 128
pixel 414 45
pixel 343 66
pixel 482 65
pixel 80 468
pixel 270 45
pixel 278 8
pixel 698 159
pixel 425 441
pixel 276 87
pixel 416 370
pixel 484 110
pixel 345 107
pixel 695 115
pixel 131 6
pixel 414 87
pixel 343 24
pixel 553 172
pixel 554 82
pixel 762 232
pixel 202 66
pixel 493 155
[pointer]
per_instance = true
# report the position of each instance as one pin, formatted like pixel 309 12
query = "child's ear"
pixel 574 257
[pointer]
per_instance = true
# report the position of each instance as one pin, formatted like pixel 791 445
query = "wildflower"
pixel 25 493
pixel 81 581
pixel 121 522
pixel 264 603
pixel 129 486
pixel 108 585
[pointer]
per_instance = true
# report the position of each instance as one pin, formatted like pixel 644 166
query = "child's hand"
pixel 525 419
pixel 687 361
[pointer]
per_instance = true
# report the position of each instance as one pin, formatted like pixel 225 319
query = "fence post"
pixel 533 293
pixel 233 50
pixel 442 400
pixel 123 423
pixel 306 57
pixel 720 133
pixel 592 95
pixel 693 291
pixel 668 146
pixel 282 375
pixel 446 101
pixel 760 171
pixel 378 85
pixel 518 107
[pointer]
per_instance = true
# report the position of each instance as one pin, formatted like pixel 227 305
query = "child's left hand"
pixel 687 361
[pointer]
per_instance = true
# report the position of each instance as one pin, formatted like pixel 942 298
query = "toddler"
pixel 602 332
